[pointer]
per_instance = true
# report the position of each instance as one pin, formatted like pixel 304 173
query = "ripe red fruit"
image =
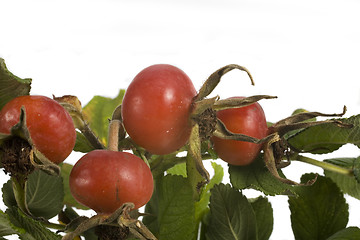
pixel 249 120
pixel 103 180
pixel 50 125
pixel 156 108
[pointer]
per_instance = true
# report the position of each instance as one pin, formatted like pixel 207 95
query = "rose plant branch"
pixel 322 164
pixel 73 105
pixel 165 121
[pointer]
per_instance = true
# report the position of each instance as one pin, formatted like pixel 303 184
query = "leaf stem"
pixel 19 188
pixel 55 226
pixel 324 165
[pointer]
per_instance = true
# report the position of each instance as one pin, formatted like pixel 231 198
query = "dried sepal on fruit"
pixel 204 112
pixel 121 222
pixel 28 152
pixel 214 79
pixel 277 153
pixel 20 157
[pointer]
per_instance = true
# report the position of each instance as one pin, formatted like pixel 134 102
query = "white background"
pixel 305 52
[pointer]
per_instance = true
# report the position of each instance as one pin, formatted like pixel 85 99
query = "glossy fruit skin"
pixel 50 125
pixel 103 180
pixel 156 108
pixel 249 120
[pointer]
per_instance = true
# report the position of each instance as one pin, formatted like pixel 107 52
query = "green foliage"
pixel 28 228
pixel 328 137
pixel 351 233
pixel 180 207
pixel 348 184
pixel 257 177
pixel 172 209
pixel 231 215
pixel 201 206
pixel 6 227
pixel 319 211
pixel 82 144
pixel 264 217
pixel 11 86
pixel 98 112
pixel 44 194
pixel 178 169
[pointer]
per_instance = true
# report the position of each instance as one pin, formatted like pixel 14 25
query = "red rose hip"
pixel 104 180
pixel 50 125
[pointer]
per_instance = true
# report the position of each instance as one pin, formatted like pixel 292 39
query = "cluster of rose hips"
pixel 158 112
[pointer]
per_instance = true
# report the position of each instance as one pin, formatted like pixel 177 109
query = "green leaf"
pixel 44 194
pixel 178 169
pixel 82 144
pixel 171 209
pixel 98 112
pixel 231 215
pixel 11 86
pixel 31 229
pixel 319 211
pixel 328 137
pixel 6 227
pixel 257 176
pixel 350 233
pixel 201 207
pixel 8 194
pixel 264 217
pixel 69 200
pixel 348 184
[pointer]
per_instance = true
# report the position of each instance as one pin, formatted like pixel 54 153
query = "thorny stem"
pixel 89 134
pixel 324 165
